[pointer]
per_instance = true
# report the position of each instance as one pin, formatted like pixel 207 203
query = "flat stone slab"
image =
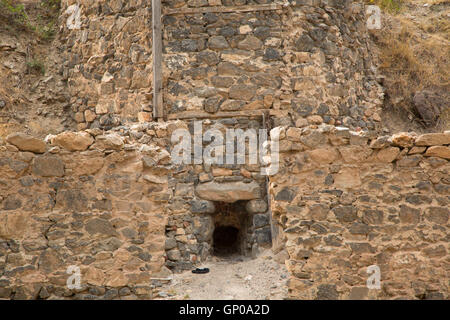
pixel 229 191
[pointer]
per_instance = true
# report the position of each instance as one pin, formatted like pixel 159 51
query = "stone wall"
pixel 108 65
pixel 93 200
pixel 349 200
pixel 308 61
pixel 114 204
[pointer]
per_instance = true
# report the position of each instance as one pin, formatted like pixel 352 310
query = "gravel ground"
pixel 231 278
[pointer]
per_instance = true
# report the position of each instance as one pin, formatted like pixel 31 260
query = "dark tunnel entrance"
pixel 226 240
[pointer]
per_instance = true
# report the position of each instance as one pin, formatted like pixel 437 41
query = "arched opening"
pixel 226 240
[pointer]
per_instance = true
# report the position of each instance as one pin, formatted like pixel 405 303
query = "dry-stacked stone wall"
pixel 110 200
pixel 348 200
pixel 95 200
pixel 306 61
pixel 114 205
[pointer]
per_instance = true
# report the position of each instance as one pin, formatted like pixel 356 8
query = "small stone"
pixel 111 294
pixel 388 155
pixel 260 220
pixel 323 155
pixel 439 215
pixel 125 291
pixel 301 122
pixel 155 179
pixel 417 150
pixel 327 292
pixel 403 139
pixel 256 206
pixel 438 151
pixel 286 194
pixel 89 115
pixel 345 213
pixel 250 43
pixel 433 139
pixel 110 141
pixel 170 243
pixel 315 119
pixel 48 166
pixel 218 43
pixel 144 116
pixel 409 215
pixel 217 172
pixel 294 134
pixel 242 92
pixel 102 226
pixel 202 206
pixel 229 191
pixel 174 255
pixel 358 293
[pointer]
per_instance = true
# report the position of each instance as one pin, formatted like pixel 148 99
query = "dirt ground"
pixel 231 278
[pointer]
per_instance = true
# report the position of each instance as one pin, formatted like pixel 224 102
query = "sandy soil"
pixel 231 278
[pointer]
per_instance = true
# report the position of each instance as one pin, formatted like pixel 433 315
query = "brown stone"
pixel 409 215
pixel 26 142
pixel 73 141
pixel 355 154
pixel 323 155
pixel 438 215
pixel 250 43
pixel 381 142
pixel 89 115
pixel 438 151
pixel 48 166
pixel 217 172
pixel 417 150
pixel 144 116
pixel 242 92
pixel 110 141
pixel 433 139
pixel 294 134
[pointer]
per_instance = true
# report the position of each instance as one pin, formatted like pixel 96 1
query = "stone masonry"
pixel 108 199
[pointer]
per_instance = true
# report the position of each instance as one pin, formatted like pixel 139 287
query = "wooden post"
pixel 158 110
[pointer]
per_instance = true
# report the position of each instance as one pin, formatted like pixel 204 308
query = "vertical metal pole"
pixel 158 110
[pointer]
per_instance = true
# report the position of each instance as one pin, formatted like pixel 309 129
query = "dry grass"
pixel 414 55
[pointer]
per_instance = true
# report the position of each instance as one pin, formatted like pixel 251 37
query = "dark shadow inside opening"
pixel 226 240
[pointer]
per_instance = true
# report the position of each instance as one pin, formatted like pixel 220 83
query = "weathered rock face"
pixel 229 191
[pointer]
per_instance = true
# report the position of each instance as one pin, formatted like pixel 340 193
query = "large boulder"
pixel 429 105
pixel 229 191
pixel 26 142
